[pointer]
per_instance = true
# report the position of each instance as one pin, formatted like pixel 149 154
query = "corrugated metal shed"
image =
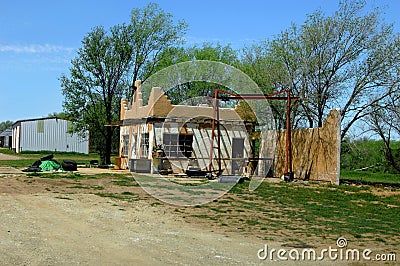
pixel 48 134
pixel 5 138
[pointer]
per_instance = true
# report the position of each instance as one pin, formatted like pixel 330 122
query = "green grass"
pixel 126 181
pixel 53 175
pixel 88 187
pixel 28 158
pixel 305 210
pixel 367 177
pixel 125 196
pixel 20 164
pixel 64 198
pixel 336 210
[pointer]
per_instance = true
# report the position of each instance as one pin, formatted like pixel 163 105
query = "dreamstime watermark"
pixel 237 82
pixel 340 252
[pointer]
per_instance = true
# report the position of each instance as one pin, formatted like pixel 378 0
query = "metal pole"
pixel 218 140
pixel 212 129
pixel 288 165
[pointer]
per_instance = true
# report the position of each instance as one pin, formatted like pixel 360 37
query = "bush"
pixel 366 154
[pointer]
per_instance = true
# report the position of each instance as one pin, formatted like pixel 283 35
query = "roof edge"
pixel 36 119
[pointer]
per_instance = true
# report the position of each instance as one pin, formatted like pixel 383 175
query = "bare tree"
pixel 345 61
pixel 384 120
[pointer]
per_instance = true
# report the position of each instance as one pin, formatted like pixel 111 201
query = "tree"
pixel 384 120
pixel 152 33
pixel 197 91
pixel 61 115
pixel 5 125
pixel 346 60
pixel 95 84
pixel 105 67
pixel 269 73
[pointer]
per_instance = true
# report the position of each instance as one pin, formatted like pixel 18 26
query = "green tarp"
pixel 49 166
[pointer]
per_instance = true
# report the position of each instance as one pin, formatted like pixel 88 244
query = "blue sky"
pixel 38 39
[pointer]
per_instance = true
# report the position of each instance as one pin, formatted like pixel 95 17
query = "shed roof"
pixel 5 133
pixel 37 119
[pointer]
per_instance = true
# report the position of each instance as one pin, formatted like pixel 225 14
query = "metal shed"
pixel 5 138
pixel 48 134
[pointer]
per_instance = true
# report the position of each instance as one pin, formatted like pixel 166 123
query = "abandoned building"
pixel 48 134
pixel 183 135
pixel 183 132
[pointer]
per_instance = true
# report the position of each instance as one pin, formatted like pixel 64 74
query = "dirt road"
pixel 44 229
pixel 9 157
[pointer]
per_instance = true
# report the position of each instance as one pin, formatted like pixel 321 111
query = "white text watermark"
pixel 339 252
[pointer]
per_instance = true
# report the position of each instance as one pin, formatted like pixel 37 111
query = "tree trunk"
pixel 108 145
pixel 389 156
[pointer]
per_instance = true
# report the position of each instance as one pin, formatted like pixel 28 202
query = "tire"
pixel 69 165
pixel 36 164
pixel 47 157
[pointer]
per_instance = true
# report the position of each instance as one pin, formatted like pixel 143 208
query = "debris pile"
pixel 48 163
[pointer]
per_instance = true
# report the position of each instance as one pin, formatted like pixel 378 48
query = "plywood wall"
pixel 315 151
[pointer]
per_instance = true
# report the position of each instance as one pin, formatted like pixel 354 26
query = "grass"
pixel 125 181
pixel 64 198
pixel 125 196
pixel 367 177
pixel 28 158
pixel 319 210
pixel 88 187
pixel 54 175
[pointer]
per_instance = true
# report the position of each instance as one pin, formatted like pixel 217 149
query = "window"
pixel 237 155
pixel 40 126
pixel 185 145
pixel 178 145
pixel 125 145
pixel 170 144
pixel 144 145
pixel 237 147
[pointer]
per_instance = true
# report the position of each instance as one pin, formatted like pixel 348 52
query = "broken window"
pixel 237 155
pixel 125 145
pixel 144 143
pixel 185 145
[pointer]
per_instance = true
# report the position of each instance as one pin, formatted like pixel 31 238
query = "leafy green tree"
pixel 346 60
pixel 95 84
pixel 58 115
pixel 5 125
pixel 153 32
pixel 197 91
pixel 268 72
pixel 106 66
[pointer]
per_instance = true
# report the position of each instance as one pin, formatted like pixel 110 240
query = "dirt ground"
pixel 41 223
pixel 62 221
pixel 9 157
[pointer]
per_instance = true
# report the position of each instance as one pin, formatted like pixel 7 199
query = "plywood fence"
pixel 315 151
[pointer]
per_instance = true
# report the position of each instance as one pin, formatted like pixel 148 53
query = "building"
pixel 183 132
pixel 185 135
pixel 48 134
pixel 6 138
